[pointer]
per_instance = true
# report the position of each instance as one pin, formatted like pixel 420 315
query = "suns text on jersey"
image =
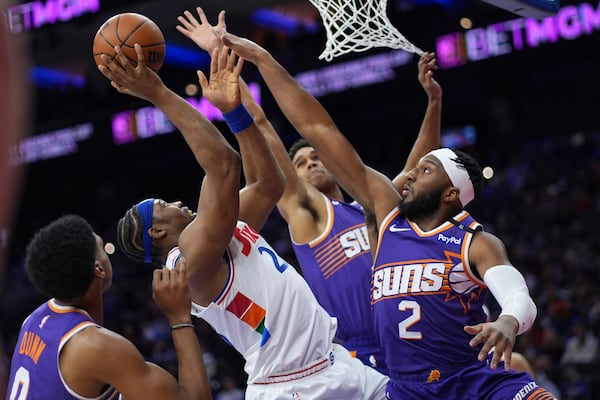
pixel 409 279
pixel 355 241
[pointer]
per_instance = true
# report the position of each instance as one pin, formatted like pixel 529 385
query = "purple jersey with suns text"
pixel 424 293
pixel 34 368
pixel 337 267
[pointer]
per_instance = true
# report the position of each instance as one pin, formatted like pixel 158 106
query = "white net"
pixel 358 25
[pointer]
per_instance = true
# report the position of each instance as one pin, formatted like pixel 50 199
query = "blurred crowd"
pixel 542 200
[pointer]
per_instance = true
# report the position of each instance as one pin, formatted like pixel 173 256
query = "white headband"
pixel 457 173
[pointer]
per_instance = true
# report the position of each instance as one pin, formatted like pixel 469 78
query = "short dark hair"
pixel 130 237
pixel 473 169
pixel 297 145
pixel 61 256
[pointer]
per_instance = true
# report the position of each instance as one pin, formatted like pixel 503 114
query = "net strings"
pixel 358 25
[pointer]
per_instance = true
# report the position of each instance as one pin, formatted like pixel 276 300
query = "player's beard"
pixel 423 205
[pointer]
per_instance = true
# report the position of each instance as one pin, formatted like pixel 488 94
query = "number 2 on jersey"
pixel 413 318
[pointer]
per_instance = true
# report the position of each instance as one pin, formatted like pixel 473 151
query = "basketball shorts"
pixel 367 350
pixel 477 381
pixel 344 377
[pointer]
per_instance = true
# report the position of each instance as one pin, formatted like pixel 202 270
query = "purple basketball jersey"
pixel 337 266
pixel 34 372
pixel 424 293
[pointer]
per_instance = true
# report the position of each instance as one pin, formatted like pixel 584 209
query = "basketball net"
pixel 358 25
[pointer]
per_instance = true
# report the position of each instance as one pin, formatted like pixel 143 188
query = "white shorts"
pixel 345 378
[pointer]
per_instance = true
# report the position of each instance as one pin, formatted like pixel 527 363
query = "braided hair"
pixel 473 169
pixel 130 237
pixel 60 258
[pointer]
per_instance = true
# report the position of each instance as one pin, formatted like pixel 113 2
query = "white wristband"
pixel 508 287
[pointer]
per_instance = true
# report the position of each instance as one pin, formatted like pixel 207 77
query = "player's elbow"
pixel 521 306
pixel 510 290
pixel 230 165
pixel 531 313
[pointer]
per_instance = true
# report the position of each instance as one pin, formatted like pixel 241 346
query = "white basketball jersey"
pixel 266 310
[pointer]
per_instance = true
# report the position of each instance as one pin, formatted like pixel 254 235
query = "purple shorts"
pixel 476 381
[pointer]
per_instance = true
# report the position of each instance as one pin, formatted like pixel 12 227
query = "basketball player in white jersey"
pixel 328 233
pixel 239 284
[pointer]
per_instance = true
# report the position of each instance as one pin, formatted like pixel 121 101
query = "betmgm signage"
pixel 36 14
pixel 569 23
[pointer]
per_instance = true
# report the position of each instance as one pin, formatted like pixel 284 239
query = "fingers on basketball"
pixel 125 30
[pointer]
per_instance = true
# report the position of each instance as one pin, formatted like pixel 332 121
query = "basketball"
pixel 125 30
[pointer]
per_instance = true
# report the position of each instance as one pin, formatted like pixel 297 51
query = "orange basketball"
pixel 125 30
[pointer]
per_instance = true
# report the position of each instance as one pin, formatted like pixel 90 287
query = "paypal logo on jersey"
pixel 449 239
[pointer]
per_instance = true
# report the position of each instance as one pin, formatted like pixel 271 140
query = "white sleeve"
pixel 510 291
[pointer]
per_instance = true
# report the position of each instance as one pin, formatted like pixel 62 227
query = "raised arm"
pixel 264 179
pixel 369 187
pixel 301 205
pixel 429 135
pixel 95 357
pixel 428 138
pixel 205 239
pixel 171 292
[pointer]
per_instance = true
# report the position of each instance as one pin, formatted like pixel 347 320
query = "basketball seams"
pixel 124 43
pixel 145 46
pixel 135 28
pixel 105 39
pixel 130 33
pixel 133 31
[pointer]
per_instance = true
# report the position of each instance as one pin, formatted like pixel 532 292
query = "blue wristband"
pixel 238 119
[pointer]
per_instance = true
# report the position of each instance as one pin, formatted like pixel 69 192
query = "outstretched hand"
pixel 427 64
pixel 139 81
pixel 223 88
pixel 499 335
pixel 171 292
pixel 202 32
pixel 246 49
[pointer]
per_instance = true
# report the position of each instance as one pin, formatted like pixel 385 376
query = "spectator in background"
pixel 581 348
pixel 229 389
pixel 574 385
pixel 542 367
